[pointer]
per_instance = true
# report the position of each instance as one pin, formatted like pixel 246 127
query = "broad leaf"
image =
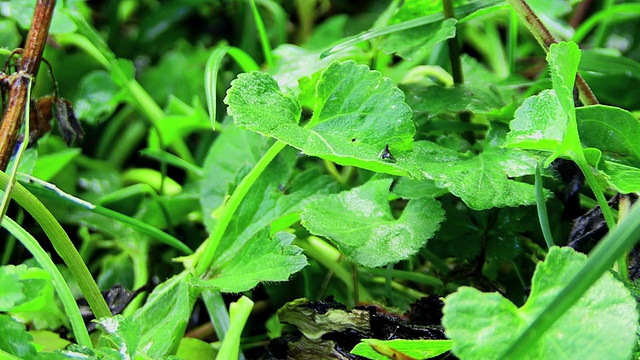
pixel 602 324
pixel 539 124
pixel 612 130
pixel 622 178
pixel 261 259
pixel 481 181
pixel 435 100
pixel 234 152
pixel 275 200
pixel 122 334
pixel 164 317
pixel 11 292
pixel 276 194
pixel 358 113
pixel 367 232
pixel 14 338
pixel 39 308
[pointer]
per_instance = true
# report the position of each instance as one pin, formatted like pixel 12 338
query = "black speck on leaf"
pixel 386 154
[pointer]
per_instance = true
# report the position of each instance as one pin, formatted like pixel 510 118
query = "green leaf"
pixel 181 120
pixel 184 66
pixel 357 114
pixel 293 63
pixel 261 259
pixel 412 43
pixel 539 123
pixel 14 338
pixel 277 194
pixel 416 349
pixel 11 292
pixel 481 181
pixel 436 100
pixel 98 97
pixel 612 130
pixel 564 59
pixel 367 232
pixel 408 188
pixel 195 349
pixel 234 151
pixel 122 334
pixel 622 178
pixel 164 317
pixel 602 324
pixel 50 340
pixel 48 166
pixel 39 308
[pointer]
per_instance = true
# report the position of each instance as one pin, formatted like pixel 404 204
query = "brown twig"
pixel 544 37
pixel 29 65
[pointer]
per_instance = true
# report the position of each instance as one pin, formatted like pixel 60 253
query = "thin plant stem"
pixel 543 218
pixel 213 241
pixel 20 86
pixel 545 39
pixel 456 64
pixel 512 41
pixel 454 45
pixel 263 35
pixel 60 285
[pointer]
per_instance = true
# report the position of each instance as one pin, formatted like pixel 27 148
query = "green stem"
pixel 329 257
pixel 217 310
pixel 543 218
pixel 262 33
pixel 6 198
pixel 238 313
pixel 599 261
pixel 512 41
pixel 601 17
pixel 545 39
pixel 64 293
pixel 602 32
pixel 63 246
pixel 454 45
pixel 211 244
pixel 595 187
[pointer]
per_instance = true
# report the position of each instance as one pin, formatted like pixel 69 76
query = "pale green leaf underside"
pixel 602 324
pixel 539 123
pixel 357 114
pixel 367 233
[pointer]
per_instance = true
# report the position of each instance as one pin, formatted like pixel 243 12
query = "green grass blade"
pixel 52 192
pixel 170 159
pixel 211 74
pixel 583 30
pixel 610 249
pixel 64 293
pixel 461 12
pixel 279 17
pixel 63 246
pixel 6 198
pixel 262 33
